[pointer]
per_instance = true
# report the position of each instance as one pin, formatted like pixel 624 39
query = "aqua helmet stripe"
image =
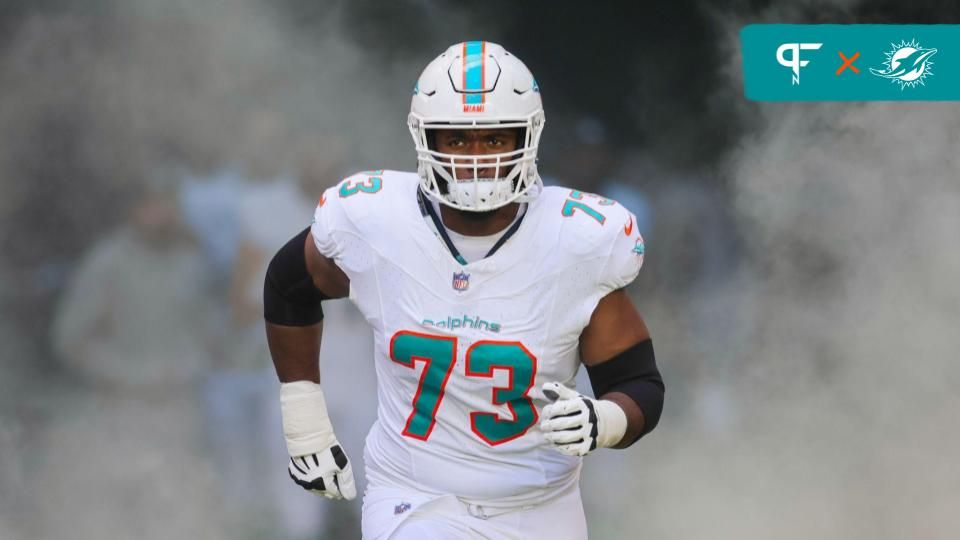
pixel 473 72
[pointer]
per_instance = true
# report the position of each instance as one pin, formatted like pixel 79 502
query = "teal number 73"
pixel 575 202
pixel 438 354
pixel 372 184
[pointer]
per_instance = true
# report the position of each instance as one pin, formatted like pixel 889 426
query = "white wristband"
pixel 306 425
pixel 611 423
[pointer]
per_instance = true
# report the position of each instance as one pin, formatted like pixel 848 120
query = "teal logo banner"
pixel 851 62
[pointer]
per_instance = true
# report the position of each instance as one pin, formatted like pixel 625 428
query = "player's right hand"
pixel 327 473
pixel 318 464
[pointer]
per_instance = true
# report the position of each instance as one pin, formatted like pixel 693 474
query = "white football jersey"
pixel 462 351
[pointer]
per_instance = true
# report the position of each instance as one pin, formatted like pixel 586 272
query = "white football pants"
pixel 407 514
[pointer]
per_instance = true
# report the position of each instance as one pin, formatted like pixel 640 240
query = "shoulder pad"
pixel 594 227
pixel 365 201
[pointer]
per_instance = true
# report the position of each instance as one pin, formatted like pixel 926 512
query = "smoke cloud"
pixel 835 415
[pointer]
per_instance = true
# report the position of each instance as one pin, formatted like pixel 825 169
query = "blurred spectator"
pixel 136 314
pixel 209 207
pixel 241 216
pixel 242 410
pixel 123 455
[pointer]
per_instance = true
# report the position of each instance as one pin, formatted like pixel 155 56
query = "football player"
pixel 485 291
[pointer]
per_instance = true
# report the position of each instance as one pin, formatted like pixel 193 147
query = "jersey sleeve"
pixel 626 253
pixel 327 218
pixel 342 220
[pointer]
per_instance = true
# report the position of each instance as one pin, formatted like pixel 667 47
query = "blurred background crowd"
pixel 800 281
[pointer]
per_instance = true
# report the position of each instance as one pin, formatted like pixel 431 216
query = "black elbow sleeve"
pixel 633 372
pixel 289 296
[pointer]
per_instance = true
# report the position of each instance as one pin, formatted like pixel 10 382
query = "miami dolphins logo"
pixel 907 64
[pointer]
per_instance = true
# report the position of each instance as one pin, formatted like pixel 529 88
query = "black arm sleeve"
pixel 633 372
pixel 289 297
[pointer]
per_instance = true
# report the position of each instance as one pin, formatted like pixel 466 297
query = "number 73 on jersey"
pixel 438 356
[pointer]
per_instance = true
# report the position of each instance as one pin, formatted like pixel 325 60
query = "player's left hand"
pixel 577 424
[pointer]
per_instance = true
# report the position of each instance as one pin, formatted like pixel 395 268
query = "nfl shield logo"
pixel 461 281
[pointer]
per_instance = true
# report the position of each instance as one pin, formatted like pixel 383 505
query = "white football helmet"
pixel 477 85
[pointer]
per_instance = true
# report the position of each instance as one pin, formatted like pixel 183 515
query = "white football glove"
pixel 577 424
pixel 317 462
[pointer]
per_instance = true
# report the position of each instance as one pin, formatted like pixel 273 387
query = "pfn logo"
pixel 794 62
